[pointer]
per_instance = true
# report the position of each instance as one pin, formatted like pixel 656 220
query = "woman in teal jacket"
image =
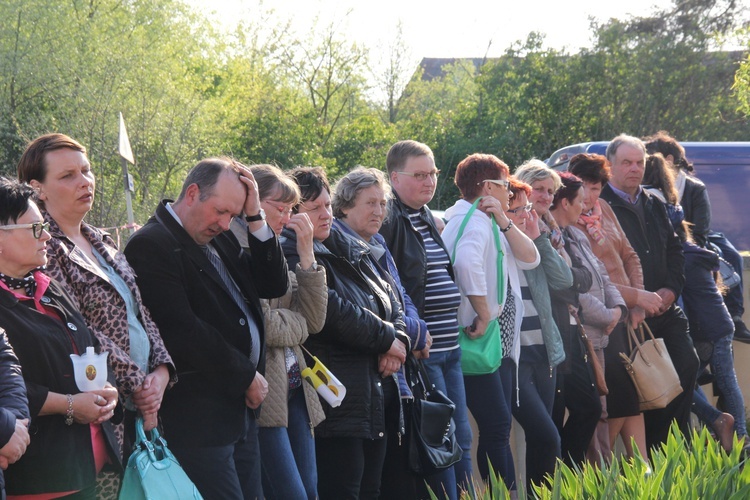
pixel 541 345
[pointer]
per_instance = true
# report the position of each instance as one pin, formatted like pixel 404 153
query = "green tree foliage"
pixel 267 93
pixel 71 66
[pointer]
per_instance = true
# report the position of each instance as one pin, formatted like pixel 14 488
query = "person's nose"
pixel 224 222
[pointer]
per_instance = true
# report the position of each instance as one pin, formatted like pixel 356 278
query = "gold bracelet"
pixel 69 411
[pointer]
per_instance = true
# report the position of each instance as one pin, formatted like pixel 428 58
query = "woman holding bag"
pixel 487 255
pixel 87 263
pixel 602 307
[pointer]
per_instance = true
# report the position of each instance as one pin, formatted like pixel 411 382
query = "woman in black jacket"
pixel 363 343
pixel 71 436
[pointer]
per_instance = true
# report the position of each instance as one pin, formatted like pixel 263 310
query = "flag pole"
pixel 126 155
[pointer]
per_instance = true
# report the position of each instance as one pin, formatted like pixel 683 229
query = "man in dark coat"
pixel 202 290
pixel 645 222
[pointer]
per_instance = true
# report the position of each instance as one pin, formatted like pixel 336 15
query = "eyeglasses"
pixel 37 228
pixel 499 182
pixel 526 209
pixel 282 208
pixel 421 176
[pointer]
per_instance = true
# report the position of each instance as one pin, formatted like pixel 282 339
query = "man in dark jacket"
pixel 645 222
pixel 427 275
pixel 14 410
pixel 203 292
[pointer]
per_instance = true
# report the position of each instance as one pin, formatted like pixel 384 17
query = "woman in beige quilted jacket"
pixel 292 408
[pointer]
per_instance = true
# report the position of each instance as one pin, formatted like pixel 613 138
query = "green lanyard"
pixel 498 246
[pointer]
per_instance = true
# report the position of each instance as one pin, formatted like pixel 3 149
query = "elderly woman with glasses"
pixel 359 205
pixel 292 407
pixel 541 344
pixel 72 438
pixel 489 293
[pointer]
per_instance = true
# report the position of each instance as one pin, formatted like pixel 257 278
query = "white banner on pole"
pixel 124 149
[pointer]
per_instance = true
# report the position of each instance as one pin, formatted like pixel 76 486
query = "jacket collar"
pixel 188 244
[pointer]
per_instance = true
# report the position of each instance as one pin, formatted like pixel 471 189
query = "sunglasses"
pixel 37 228
pixel 499 182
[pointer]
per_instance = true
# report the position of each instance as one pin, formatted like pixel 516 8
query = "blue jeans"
pixel 444 370
pixel 722 366
pixel 490 400
pixel 287 454
pixel 536 387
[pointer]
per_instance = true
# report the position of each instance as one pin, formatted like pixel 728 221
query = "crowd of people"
pixel 217 307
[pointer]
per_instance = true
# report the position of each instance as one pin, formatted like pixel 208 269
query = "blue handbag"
pixel 153 472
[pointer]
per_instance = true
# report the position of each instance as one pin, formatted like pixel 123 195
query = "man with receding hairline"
pixel 203 292
pixel 646 224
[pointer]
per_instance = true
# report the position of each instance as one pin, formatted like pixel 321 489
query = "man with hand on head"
pixel 203 291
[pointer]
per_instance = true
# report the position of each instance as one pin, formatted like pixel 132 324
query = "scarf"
pixel 27 283
pixel 593 223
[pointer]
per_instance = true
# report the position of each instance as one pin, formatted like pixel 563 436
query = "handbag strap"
pixel 498 247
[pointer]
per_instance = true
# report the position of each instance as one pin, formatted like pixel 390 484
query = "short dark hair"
pixel 14 199
pixel 31 166
pixel 569 190
pixel 477 168
pixel 402 151
pixel 311 181
pixel 205 174
pixel 590 167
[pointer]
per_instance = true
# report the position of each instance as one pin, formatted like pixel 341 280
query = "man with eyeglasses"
pixel 203 292
pixel 427 275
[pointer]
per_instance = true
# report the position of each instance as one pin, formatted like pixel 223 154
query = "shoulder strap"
pixel 498 246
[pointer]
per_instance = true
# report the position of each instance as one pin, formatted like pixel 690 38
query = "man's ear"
pixel 192 194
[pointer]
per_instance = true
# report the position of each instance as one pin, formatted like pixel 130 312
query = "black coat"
pixel 203 329
pixel 362 320
pixel 407 247
pixel 59 457
pixel 13 402
pixel 653 239
pixel 697 209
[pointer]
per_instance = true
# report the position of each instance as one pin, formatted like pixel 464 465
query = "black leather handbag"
pixel 431 438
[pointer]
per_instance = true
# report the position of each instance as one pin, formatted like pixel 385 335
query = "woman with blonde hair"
pixel 292 408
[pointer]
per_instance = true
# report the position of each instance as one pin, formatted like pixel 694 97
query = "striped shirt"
pixel 533 349
pixel 442 297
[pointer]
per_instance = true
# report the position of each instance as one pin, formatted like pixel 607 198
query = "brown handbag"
pixel 651 369
pixel 599 378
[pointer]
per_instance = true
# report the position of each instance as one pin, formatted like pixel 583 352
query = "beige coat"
pixel 288 321
pixel 621 261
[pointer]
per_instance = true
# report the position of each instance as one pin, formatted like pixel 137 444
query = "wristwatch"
pixel 255 218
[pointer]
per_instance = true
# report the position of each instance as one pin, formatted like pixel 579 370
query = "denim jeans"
pixel 490 399
pixel 444 370
pixel 722 366
pixel 287 454
pixel 536 388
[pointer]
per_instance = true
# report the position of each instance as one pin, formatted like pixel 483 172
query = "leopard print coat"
pixel 102 306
